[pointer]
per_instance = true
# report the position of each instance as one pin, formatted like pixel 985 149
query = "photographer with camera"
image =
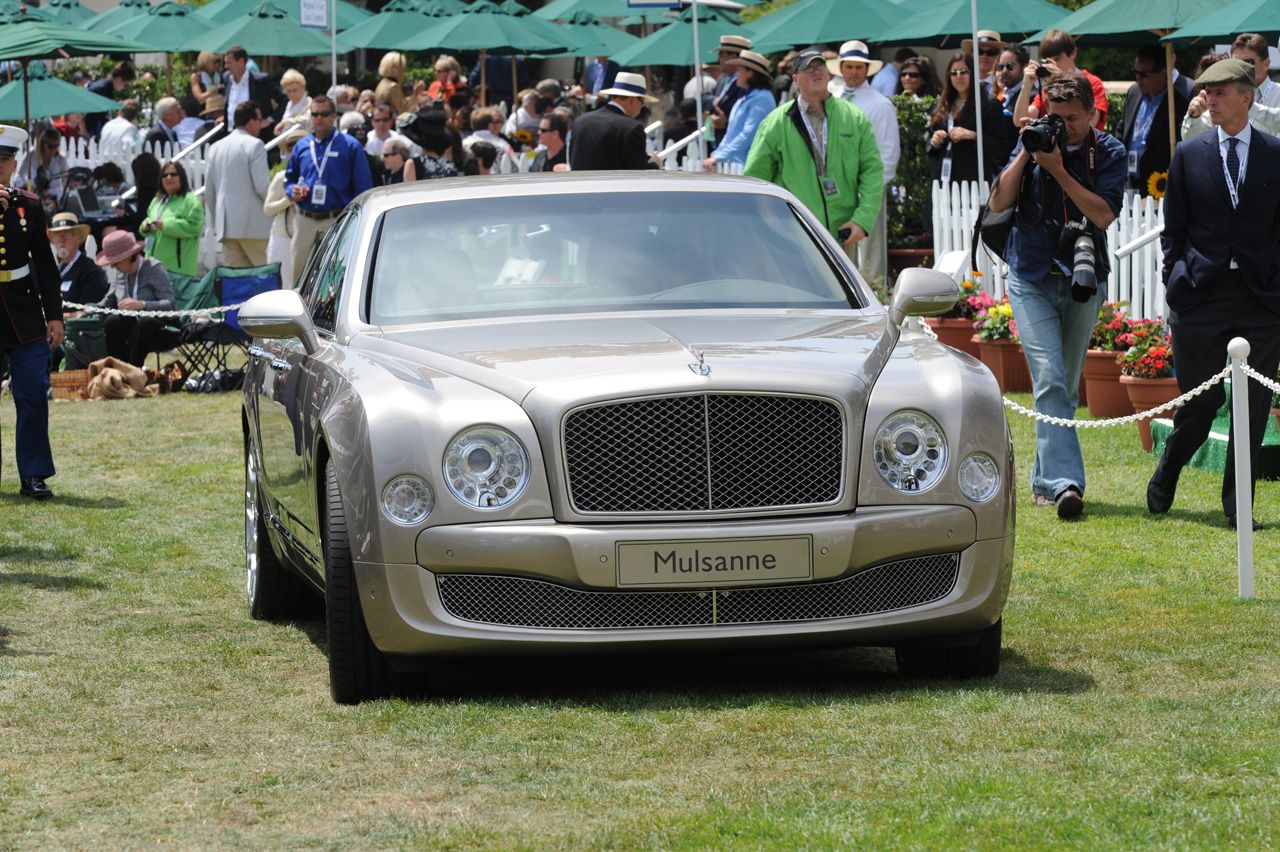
pixel 1067 180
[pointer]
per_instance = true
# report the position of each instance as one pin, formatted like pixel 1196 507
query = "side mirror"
pixel 279 314
pixel 922 292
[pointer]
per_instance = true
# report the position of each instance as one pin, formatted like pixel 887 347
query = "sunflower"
pixel 1156 184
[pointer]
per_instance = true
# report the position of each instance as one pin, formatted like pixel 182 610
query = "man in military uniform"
pixel 30 317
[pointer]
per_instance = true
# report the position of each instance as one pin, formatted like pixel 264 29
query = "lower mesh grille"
pixel 522 602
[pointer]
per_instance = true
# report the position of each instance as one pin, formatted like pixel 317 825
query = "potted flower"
pixel 1146 372
pixel 1103 391
pixel 955 327
pixel 998 346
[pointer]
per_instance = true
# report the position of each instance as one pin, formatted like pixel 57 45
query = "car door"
pixel 283 402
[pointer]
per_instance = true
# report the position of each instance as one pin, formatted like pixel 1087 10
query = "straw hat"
pixel 986 38
pixel 855 51
pixel 117 246
pixel 750 60
pixel 215 105
pixel 68 222
pixel 629 85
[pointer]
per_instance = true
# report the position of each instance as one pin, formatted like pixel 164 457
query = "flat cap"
pixel 1227 71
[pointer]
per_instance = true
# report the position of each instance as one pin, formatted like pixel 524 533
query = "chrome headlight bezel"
pixel 985 466
pixel 910 451
pixel 485 467
pixel 408 500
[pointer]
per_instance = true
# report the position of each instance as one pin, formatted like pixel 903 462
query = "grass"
pixel 140 705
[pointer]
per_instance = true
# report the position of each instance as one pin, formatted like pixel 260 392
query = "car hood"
pixel 622 354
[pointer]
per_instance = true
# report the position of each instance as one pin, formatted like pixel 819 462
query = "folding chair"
pixel 207 344
pixel 189 294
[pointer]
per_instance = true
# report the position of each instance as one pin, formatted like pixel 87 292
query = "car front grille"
pixel 704 453
pixel 522 602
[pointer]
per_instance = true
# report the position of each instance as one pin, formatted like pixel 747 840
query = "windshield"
pixel 597 252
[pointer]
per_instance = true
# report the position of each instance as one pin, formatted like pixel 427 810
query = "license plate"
pixel 715 561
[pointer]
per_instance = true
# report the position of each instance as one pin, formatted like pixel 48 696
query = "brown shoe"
pixel 1070 504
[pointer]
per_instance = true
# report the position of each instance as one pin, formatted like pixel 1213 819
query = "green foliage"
pixel 1115 114
pixel 908 216
pixel 751 13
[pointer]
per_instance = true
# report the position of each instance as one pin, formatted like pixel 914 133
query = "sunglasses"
pixel 386 154
pixel 376 119
pixel 171 174
pixel 914 75
pixel 995 51
pixel 959 72
pixel 546 129
pixel 315 114
pixel 1142 75
pixel 1006 66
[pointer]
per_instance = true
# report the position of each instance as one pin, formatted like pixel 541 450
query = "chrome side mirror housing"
pixel 922 292
pixel 279 314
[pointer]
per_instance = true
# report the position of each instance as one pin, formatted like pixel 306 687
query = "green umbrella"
pixel 170 26
pixel 126 10
pixel 265 31
pixel 13 13
pixel 673 44
pixel 1243 16
pixel 951 22
pixel 484 26
pixel 563 10
pixel 69 12
pixel 1129 23
pixel 396 23
pixel 817 21
pixel 589 37
pixel 226 11
pixel 36 39
pixel 49 96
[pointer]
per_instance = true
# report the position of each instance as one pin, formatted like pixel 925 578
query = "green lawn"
pixel 139 705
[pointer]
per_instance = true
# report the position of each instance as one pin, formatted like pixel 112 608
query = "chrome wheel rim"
pixel 251 566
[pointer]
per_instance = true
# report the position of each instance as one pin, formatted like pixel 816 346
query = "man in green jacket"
pixel 823 150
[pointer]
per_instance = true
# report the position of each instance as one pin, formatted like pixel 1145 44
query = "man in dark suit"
pixel 30 318
pixel 1144 128
pixel 111 86
pixel 1221 242
pixel 243 84
pixel 610 137
pixel 168 114
pixel 598 75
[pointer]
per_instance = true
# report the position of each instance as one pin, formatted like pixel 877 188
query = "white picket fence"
pixel 91 155
pixel 1135 279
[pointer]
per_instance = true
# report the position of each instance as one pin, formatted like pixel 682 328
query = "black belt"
pixel 319 216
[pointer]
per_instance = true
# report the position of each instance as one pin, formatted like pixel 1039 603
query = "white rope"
pixel 1263 380
pixel 201 312
pixel 1132 418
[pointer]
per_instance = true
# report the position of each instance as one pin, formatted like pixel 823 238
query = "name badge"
pixel 66 285
pixel 1133 162
pixel 946 169
pixel 319 193
pixel 829 187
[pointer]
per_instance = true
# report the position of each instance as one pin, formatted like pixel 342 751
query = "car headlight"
pixel 408 500
pixel 910 451
pixel 979 477
pixel 486 467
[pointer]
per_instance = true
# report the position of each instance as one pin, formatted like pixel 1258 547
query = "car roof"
pixel 559 183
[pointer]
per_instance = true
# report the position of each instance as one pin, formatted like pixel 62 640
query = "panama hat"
pixel 117 246
pixel 68 222
pixel 215 105
pixel 750 60
pixel 986 38
pixel 734 43
pixel 629 85
pixel 855 51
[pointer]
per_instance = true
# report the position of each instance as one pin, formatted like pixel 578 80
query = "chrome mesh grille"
pixel 523 602
pixel 705 452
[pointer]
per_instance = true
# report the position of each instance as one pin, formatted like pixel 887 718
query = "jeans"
pixel 1055 330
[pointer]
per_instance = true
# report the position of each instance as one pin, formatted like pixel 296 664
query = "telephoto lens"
pixel 1084 278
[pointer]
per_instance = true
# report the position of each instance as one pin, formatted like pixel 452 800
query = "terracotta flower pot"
pixel 1004 358
pixel 1145 394
pixel 1107 397
pixel 956 333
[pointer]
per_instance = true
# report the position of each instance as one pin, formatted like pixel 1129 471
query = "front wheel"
pixel 358 671
pixel 976 655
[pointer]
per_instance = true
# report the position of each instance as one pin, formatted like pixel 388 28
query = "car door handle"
pixel 276 363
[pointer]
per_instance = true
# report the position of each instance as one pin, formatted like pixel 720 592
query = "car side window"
pixel 325 287
pixel 311 272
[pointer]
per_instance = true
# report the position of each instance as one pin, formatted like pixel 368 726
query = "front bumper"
pixel 407 616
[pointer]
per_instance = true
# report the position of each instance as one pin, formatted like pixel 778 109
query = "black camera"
pixel 1044 72
pixel 1044 134
pixel 1079 238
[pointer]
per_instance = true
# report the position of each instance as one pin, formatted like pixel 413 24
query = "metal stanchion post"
pixel 1238 349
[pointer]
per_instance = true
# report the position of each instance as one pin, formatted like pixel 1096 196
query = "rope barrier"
pixel 199 312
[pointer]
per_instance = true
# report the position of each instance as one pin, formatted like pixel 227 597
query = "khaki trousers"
pixel 873 253
pixel 306 233
pixel 239 254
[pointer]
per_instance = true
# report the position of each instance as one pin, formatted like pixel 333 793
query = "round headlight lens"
pixel 486 467
pixel 408 500
pixel 979 477
pixel 910 451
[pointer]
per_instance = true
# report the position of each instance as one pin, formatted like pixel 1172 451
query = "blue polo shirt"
pixel 345 170
pixel 1033 249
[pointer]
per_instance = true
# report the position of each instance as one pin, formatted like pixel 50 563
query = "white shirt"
pixel 187 129
pixel 29 169
pixel 506 162
pixel 884 121
pixel 1244 137
pixel 1264 114
pixel 119 133
pixel 691 87
pixel 373 146
pixel 237 93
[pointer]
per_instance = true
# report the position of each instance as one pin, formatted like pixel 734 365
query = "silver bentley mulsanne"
pixel 560 413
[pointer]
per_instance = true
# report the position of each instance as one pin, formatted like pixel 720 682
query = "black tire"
pixel 960 658
pixel 272 591
pixel 358 671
